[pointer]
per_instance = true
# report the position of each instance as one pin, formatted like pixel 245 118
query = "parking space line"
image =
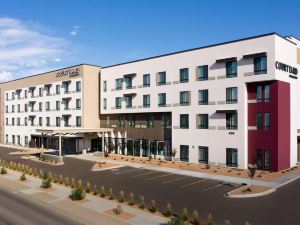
pixel 213 187
pixel 196 182
pixel 169 181
pixel 145 173
pixel 164 175
pixel 127 171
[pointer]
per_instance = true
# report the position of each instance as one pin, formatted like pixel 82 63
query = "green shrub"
pixel 131 199
pixel 23 177
pixel 121 196
pixel 153 207
pixel 3 171
pixel 102 194
pixel 111 194
pixel 176 221
pixel 45 176
pixel 142 202
pixel 196 218
pixel 185 214
pixel 47 183
pixel 77 193
pixel 209 219
pixel 88 187
pixel 169 211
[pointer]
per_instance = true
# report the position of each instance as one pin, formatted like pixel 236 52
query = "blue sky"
pixel 37 36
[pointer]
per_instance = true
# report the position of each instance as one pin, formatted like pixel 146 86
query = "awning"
pixel 66 115
pixel 66 81
pixel 31 88
pixel 253 55
pixel 129 94
pixel 226 111
pixel 47 85
pixel 73 130
pixel 226 60
pixel 129 75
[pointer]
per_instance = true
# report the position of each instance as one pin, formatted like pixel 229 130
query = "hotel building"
pixel 228 104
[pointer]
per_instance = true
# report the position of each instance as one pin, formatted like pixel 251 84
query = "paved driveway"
pixel 206 196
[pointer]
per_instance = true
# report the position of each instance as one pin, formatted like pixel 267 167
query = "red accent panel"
pixel 277 139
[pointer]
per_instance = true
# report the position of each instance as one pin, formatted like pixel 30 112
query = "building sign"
pixel 73 72
pixel 286 68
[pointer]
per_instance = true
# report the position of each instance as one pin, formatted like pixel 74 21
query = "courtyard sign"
pixel 286 68
pixel 73 72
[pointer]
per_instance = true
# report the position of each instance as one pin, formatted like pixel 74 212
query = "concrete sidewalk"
pixel 90 211
pixel 278 182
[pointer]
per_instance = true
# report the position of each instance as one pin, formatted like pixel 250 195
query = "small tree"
pixel 77 193
pixel 23 177
pixel 251 171
pixel 131 199
pixel 121 196
pixel 142 202
pixel 174 152
pixel 88 187
pixel 169 211
pixel 3 171
pixel 196 218
pixel 47 182
pixel 185 214
pixel 111 195
pixel 153 207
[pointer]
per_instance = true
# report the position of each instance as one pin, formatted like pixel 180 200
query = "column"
pixel 59 145
pixel 148 150
pixel 102 142
pixel 42 143
pixel 141 147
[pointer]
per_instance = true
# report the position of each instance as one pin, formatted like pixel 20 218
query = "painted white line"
pixel 127 171
pixel 145 173
pixel 213 187
pixel 196 182
pixel 169 181
pixel 164 175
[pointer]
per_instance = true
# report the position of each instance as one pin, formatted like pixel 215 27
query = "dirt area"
pixel 226 171
pixel 103 165
pixel 252 189
pixel 123 215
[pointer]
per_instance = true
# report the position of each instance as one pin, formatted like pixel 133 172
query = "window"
pixel 57 89
pixel 40 121
pixel 57 105
pixel 6 96
pixel 118 102
pixel 104 103
pixel 118 84
pixel 203 154
pixel 203 97
pixel 260 65
pixel 25 93
pixel 231 121
pixel 267 121
pixel 26 140
pixel 161 99
pixel 47 121
pixel 25 121
pixel 231 69
pixel 32 121
pixel 131 121
pixel 78 121
pixel 66 103
pixel 259 122
pixel 47 106
pixel 26 108
pixel 66 121
pixel 104 86
pixel 165 121
pixel 18 121
pixel 13 139
pixel 128 82
pixel 78 86
pixel 184 153
pixel 18 139
pixel 40 92
pixel 267 93
pixel 13 95
pixel 48 88
pixel 6 121
pixel 184 75
pixel 13 108
pixel 184 121
pixel 150 121
pixel 202 72
pixel 146 101
pixel 231 157
pixel 259 159
pixel 78 103
pixel 231 95
pixel 40 106
pixel 122 119
pixel 184 98
pixel 6 137
pixel 32 92
pixel 161 78
pixel 58 121
pixel 267 159
pixel 128 101
pixel 66 87
pixel 259 93
pixel 6 109
pixel 203 121
pixel 19 108
pixel 146 80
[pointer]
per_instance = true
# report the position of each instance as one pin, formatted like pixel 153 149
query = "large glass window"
pixel 131 121
pixel 203 121
pixel 203 97
pixel 122 119
pixel 202 72
pixel 165 121
pixel 58 121
pixel 267 159
pixel 40 106
pixel 203 154
pixel 231 69
pixel 184 121
pixel 78 121
pixel 57 105
pixel 146 80
pixel 259 93
pixel 48 90
pixel 150 121
pixel 161 99
pixel 259 161
pixel 78 103
pixel 57 89
pixel 128 82
pixel 231 95
pixel 119 84
pixel 259 121
pixel 118 102
pixel 161 78
pixel 267 93
pixel 260 65
pixel 40 92
pixel 184 75
pixel 146 101
pixel 184 97
pixel 78 86
pixel 267 121
pixel 47 121
pixel 47 106
pixel 66 87
pixel 231 121
pixel 184 153
pixel 128 100
pixel 231 157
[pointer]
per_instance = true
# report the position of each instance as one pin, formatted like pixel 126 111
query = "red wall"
pixel 277 138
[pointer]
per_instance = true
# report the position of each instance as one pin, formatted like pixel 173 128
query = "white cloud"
pixel 5 76
pixel 75 31
pixel 25 48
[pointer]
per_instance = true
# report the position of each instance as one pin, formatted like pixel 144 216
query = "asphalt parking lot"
pixel 204 195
